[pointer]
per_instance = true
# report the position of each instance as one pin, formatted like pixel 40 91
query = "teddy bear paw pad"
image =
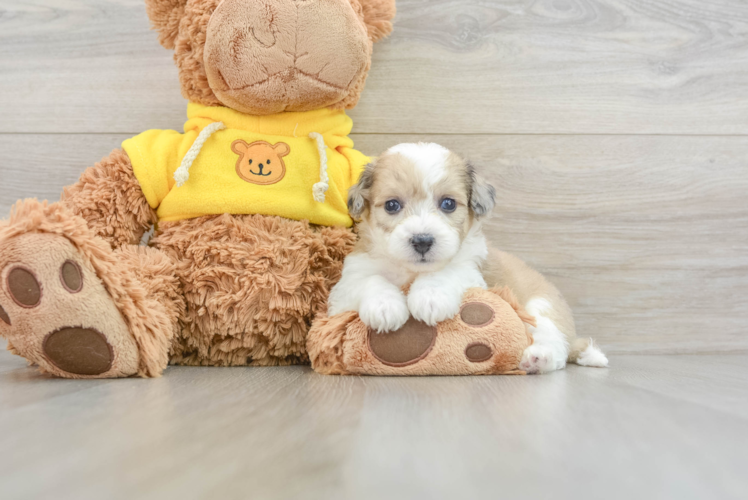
pixel 82 351
pixel 477 314
pixel 23 287
pixel 405 346
pixel 71 276
pixel 477 352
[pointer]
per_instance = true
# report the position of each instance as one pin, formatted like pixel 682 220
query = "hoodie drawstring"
pixel 323 185
pixel 183 172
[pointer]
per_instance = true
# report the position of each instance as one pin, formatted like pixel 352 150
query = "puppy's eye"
pixel 392 206
pixel 268 162
pixel 448 205
pixel 250 162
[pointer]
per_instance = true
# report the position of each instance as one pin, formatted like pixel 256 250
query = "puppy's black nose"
pixel 422 243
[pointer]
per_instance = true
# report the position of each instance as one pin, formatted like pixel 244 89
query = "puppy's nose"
pixel 422 243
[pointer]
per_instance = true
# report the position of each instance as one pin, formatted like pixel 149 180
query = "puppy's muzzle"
pixel 422 243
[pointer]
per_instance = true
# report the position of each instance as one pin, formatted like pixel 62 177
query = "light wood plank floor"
pixel 649 427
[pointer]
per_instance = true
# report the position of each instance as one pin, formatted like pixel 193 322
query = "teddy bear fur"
pixel 487 337
pixel 219 290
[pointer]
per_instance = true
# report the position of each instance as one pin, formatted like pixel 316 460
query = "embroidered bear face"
pixel 260 162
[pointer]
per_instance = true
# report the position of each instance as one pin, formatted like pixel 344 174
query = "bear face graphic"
pixel 260 162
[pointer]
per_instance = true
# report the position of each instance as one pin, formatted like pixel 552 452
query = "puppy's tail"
pixel 585 352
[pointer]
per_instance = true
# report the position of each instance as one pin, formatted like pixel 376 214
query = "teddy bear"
pixel 486 337
pixel 248 202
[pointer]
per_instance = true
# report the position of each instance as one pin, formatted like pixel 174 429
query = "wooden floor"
pixel 616 133
pixel 649 427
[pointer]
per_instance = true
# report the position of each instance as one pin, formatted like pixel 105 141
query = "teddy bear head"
pixel 267 56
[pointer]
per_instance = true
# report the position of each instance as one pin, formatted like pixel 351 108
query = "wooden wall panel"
pixel 451 66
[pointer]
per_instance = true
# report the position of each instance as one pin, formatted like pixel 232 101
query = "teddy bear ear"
pixel 165 16
pixel 378 16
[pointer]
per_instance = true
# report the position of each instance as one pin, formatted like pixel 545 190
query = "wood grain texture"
pixel 648 427
pixel 646 236
pixel 451 66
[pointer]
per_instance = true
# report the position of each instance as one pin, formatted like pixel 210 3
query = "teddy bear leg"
pixel 161 307
pixel 72 305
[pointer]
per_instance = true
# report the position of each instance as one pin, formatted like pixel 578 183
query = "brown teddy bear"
pixel 249 203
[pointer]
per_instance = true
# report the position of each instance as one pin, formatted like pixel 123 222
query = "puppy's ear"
pixel 165 16
pixel 358 194
pixel 482 194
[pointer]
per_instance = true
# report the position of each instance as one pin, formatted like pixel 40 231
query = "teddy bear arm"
pixel 109 198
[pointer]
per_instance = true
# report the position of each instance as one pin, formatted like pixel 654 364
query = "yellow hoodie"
pixel 296 165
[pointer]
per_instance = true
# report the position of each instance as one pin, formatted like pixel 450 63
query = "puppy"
pixel 420 209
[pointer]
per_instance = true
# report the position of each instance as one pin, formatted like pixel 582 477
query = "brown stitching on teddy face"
pixel 71 276
pixel 477 352
pixel 477 314
pixel 260 162
pixel 24 288
pixel 403 347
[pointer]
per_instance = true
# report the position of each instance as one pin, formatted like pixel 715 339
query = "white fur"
pixel 383 305
pixel 428 157
pixel 437 295
pixel 370 284
pixel 538 305
pixel 371 287
pixel 550 347
pixel 592 356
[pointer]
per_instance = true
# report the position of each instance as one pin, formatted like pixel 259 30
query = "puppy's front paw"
pixel 432 305
pixel 385 312
pixel 540 358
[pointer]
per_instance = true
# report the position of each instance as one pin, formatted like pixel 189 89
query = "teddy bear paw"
pixel 56 313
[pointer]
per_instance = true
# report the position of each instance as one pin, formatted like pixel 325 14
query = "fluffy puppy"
pixel 420 209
